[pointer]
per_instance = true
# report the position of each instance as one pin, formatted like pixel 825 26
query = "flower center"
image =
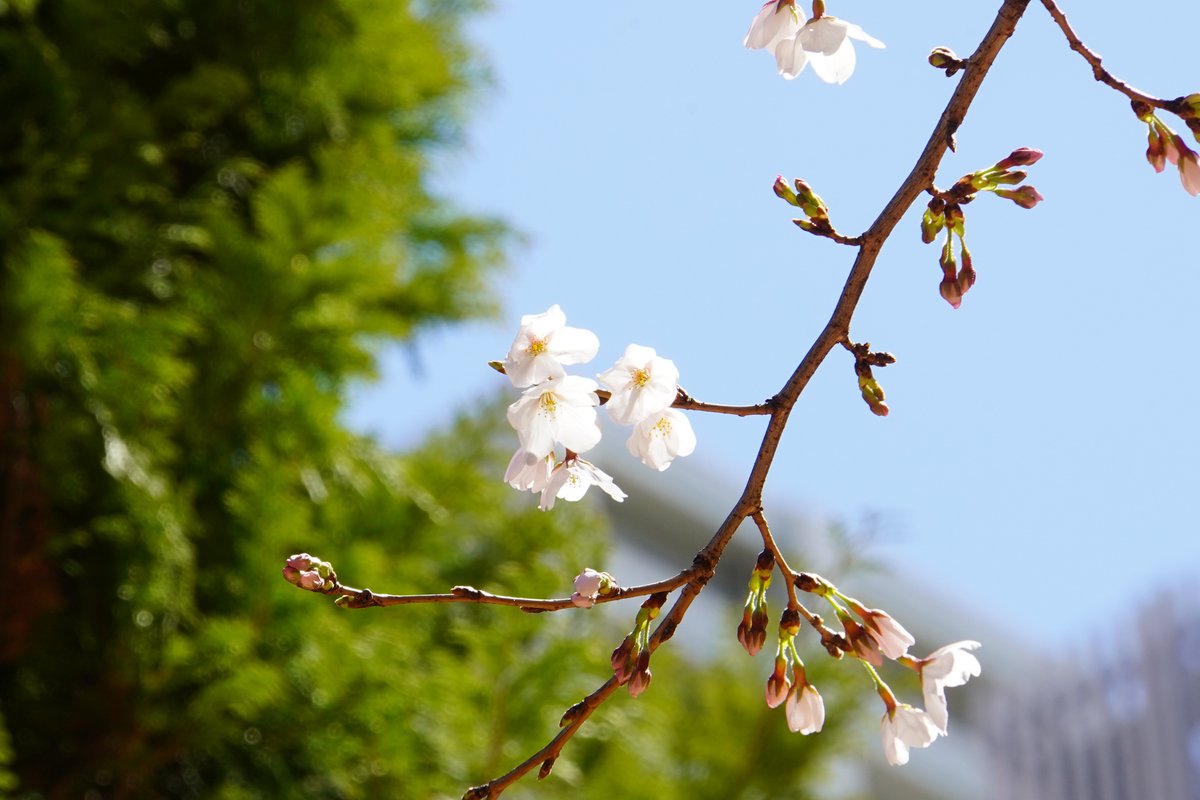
pixel 536 347
pixel 662 427
pixel 641 377
pixel 549 403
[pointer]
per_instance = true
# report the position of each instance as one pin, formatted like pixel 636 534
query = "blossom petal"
pixel 838 67
pixel 805 710
pixel 824 35
pixel 856 32
pixel 790 58
pixel 774 21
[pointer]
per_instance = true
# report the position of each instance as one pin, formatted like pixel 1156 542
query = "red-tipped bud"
pixel 1156 152
pixel 1024 196
pixel 950 291
pixel 777 684
pixel 872 393
pixel 1021 157
pixel 743 633
pixel 784 191
pixel 622 659
pixel 640 679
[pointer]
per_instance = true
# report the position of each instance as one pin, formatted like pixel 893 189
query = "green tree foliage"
pixel 211 212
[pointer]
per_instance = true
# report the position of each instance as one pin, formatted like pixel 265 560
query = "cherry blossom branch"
pixel 365 598
pixel 836 331
pixel 1098 71
pixel 686 401
pixel 683 400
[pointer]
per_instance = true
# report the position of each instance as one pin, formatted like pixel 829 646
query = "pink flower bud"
pixel 1021 157
pixel 640 679
pixel 622 662
pixel 1189 172
pixel 777 684
pixel 1024 196
pixel 784 191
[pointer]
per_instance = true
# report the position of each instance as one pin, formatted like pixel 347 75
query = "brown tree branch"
pixel 1098 71
pixel 836 331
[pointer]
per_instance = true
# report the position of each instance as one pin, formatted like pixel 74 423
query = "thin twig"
pixel 764 530
pixel 685 400
pixel 365 598
pixel 1093 60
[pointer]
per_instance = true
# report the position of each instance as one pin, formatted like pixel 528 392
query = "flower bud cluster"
pixel 803 706
pixel 559 410
pixel 752 630
pixel 310 573
pixel 873 636
pixel 944 213
pixel 816 219
pixel 871 391
pixel 631 660
pixel 1165 145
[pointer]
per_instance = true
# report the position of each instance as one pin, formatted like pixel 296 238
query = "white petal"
pixel 573 345
pixel 856 32
pixel 772 23
pixel 790 58
pixel 894 750
pixel 935 707
pixel 824 35
pixel 1189 173
pixel 836 68
pixel 805 710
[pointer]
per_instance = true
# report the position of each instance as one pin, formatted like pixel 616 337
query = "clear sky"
pixel 1040 458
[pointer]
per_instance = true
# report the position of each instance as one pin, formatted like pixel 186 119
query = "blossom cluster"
pixel 560 410
pixel 873 635
pixel 796 41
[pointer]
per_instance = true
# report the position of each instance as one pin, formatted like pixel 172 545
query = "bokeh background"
pixel 255 259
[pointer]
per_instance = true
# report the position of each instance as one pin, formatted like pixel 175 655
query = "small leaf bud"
pixel 946 59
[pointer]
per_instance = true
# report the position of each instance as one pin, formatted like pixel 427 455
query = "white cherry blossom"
pixel 776 20
pixel 890 635
pixel 570 481
pixel 561 411
pixel 642 383
pixel 949 666
pixel 825 43
pixel 544 344
pixel 661 437
pixel 805 709
pixel 905 727
pixel 527 472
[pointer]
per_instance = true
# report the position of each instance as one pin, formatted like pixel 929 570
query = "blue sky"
pixel 1040 458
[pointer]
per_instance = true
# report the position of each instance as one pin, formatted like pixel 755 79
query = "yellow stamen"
pixel 536 347
pixel 641 377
